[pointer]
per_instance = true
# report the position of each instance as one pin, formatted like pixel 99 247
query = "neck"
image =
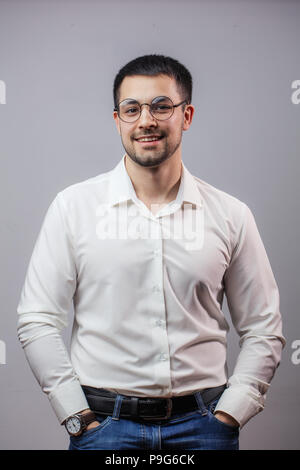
pixel 155 184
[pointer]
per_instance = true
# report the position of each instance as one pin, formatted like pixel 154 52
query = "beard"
pixel 149 157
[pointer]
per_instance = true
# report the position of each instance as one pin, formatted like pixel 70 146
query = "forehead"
pixel 144 88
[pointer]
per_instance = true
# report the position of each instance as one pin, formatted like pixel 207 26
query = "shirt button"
pixel 156 252
pixel 159 322
pixel 156 288
pixel 163 357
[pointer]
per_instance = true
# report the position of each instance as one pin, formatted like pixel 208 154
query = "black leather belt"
pixel 102 401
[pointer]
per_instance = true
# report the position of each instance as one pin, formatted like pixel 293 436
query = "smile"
pixel 149 139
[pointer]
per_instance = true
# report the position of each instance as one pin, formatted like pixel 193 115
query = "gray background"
pixel 58 60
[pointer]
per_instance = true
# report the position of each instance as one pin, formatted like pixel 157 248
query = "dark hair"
pixel 152 65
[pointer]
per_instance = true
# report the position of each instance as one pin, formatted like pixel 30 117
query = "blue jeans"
pixel 195 430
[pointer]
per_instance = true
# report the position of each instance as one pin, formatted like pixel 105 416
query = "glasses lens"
pixel 129 110
pixel 161 107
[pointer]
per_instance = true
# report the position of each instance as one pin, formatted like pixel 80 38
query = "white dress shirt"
pixel 147 289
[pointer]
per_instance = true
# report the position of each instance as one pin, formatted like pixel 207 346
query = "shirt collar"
pixel 121 188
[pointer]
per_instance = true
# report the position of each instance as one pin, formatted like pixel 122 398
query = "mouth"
pixel 149 140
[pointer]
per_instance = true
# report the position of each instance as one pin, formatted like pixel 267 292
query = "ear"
pixel 117 121
pixel 188 116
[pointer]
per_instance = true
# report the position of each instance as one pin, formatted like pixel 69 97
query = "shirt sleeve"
pixel 45 301
pixel 253 301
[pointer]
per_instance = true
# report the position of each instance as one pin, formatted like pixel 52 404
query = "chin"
pixel 148 161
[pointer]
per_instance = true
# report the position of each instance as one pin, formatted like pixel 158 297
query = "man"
pixel 146 252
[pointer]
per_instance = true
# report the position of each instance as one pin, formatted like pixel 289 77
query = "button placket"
pixel 159 332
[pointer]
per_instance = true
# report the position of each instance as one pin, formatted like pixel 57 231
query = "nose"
pixel 146 119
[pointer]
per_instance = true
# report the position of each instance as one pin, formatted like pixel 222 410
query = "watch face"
pixel 73 425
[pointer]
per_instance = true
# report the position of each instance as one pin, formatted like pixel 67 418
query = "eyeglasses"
pixel 161 108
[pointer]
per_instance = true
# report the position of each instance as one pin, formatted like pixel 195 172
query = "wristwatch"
pixel 76 424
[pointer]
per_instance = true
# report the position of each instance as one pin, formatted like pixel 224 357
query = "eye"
pixel 131 110
pixel 161 108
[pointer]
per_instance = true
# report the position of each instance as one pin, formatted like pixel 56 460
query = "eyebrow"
pixel 130 100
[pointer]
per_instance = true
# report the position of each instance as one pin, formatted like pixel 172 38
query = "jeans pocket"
pixel 211 408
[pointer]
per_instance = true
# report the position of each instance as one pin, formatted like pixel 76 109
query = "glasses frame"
pixel 117 108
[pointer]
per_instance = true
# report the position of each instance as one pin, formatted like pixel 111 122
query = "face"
pixel 169 132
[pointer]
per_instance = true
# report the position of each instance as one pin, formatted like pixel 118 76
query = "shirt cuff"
pixel 240 403
pixel 67 400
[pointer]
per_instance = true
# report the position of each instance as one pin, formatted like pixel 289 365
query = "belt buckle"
pixel 167 415
pixel 168 408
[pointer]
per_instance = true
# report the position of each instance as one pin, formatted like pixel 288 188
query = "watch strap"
pixel 87 418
